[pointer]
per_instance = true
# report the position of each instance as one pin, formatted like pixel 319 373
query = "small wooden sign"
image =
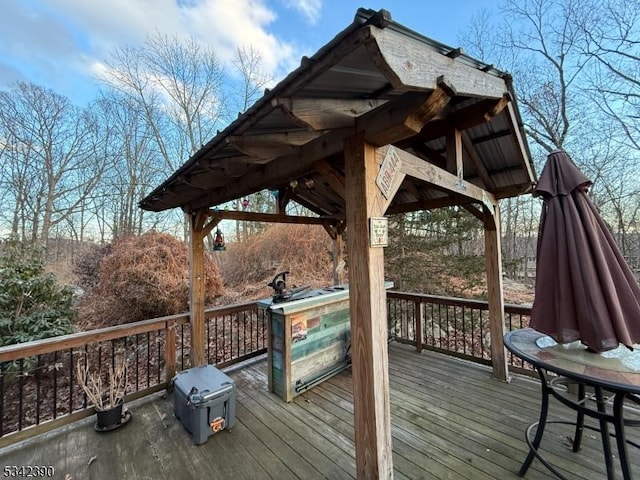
pixel 378 232
pixel 389 170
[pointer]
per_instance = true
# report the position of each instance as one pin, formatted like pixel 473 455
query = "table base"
pixel 604 418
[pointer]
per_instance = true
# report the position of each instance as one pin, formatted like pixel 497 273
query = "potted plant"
pixel 105 388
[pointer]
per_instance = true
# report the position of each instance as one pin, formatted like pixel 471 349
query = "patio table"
pixel 613 377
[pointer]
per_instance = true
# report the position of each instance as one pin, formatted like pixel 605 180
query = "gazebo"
pixel 380 120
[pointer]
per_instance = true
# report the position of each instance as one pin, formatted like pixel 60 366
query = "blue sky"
pixel 63 44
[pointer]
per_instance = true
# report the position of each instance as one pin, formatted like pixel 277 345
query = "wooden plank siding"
pixel 449 420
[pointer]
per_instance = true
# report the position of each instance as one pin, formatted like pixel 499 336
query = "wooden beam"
pixel 278 171
pixel 463 118
pixel 477 163
pixel 367 301
pixel 333 177
pixel 443 180
pixel 493 258
pixel 323 204
pixel 454 153
pixel 293 137
pixel 409 62
pixel 405 117
pixel 519 142
pixel 309 206
pixel 284 197
pixel 428 204
pixel 473 210
pixel 271 145
pixel 267 217
pixel 327 113
pixel 196 282
pixel 209 227
pixel 426 152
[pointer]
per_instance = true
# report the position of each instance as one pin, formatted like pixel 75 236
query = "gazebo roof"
pixel 397 87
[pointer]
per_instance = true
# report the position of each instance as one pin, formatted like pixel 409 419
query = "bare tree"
pixel 134 167
pixel 178 85
pixel 253 78
pixel 550 48
pixel 53 157
pixel 611 31
pixel 612 41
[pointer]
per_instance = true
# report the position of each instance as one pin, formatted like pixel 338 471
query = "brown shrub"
pixel 304 250
pixel 143 277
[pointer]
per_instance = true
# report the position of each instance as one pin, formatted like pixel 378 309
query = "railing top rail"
pixel 456 301
pixel 72 340
pixel 79 339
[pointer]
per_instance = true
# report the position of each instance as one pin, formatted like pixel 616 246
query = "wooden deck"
pixel 450 420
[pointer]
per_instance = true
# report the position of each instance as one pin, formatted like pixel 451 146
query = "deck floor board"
pixel 450 420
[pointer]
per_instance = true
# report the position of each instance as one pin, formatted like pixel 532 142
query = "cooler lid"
pixel 202 383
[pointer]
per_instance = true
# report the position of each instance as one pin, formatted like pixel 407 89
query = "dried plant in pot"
pixel 105 389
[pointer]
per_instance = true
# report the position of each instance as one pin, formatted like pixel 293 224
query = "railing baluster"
pixel 71 380
pixel 158 356
pixel 148 361
pixel 419 307
pixel 20 391
pixel 2 392
pixel 464 332
pixel 170 350
pixel 217 340
pixel 137 361
pixel 38 402
pixel 55 387
pixel 208 326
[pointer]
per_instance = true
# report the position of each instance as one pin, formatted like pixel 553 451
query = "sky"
pixel 64 44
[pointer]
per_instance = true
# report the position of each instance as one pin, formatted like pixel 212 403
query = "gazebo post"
pixel 196 281
pixel 493 258
pixel 367 301
pixel 337 252
pixel 338 260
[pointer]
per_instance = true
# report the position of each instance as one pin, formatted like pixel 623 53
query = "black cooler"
pixel 204 400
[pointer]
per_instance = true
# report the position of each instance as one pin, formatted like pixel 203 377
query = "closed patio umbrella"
pixel 584 288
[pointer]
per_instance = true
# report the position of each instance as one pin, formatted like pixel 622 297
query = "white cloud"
pixel 220 24
pixel 309 8
pixel 79 35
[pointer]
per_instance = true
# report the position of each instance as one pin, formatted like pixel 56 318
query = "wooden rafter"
pixel 391 122
pixel 271 145
pixel 519 141
pixel 333 177
pixel 454 153
pixel 464 118
pixel 470 150
pixel 406 117
pixel 327 113
pixel 268 217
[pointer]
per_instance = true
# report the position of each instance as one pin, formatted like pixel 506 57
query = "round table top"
pixel 617 369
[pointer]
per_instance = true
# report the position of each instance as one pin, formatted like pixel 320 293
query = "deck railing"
pixel 39 389
pixel 455 326
pixel 38 384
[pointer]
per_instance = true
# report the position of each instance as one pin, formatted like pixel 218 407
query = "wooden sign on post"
pixel 389 171
pixel 378 232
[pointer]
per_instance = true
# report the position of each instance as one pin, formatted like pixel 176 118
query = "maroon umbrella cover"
pixel 584 288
